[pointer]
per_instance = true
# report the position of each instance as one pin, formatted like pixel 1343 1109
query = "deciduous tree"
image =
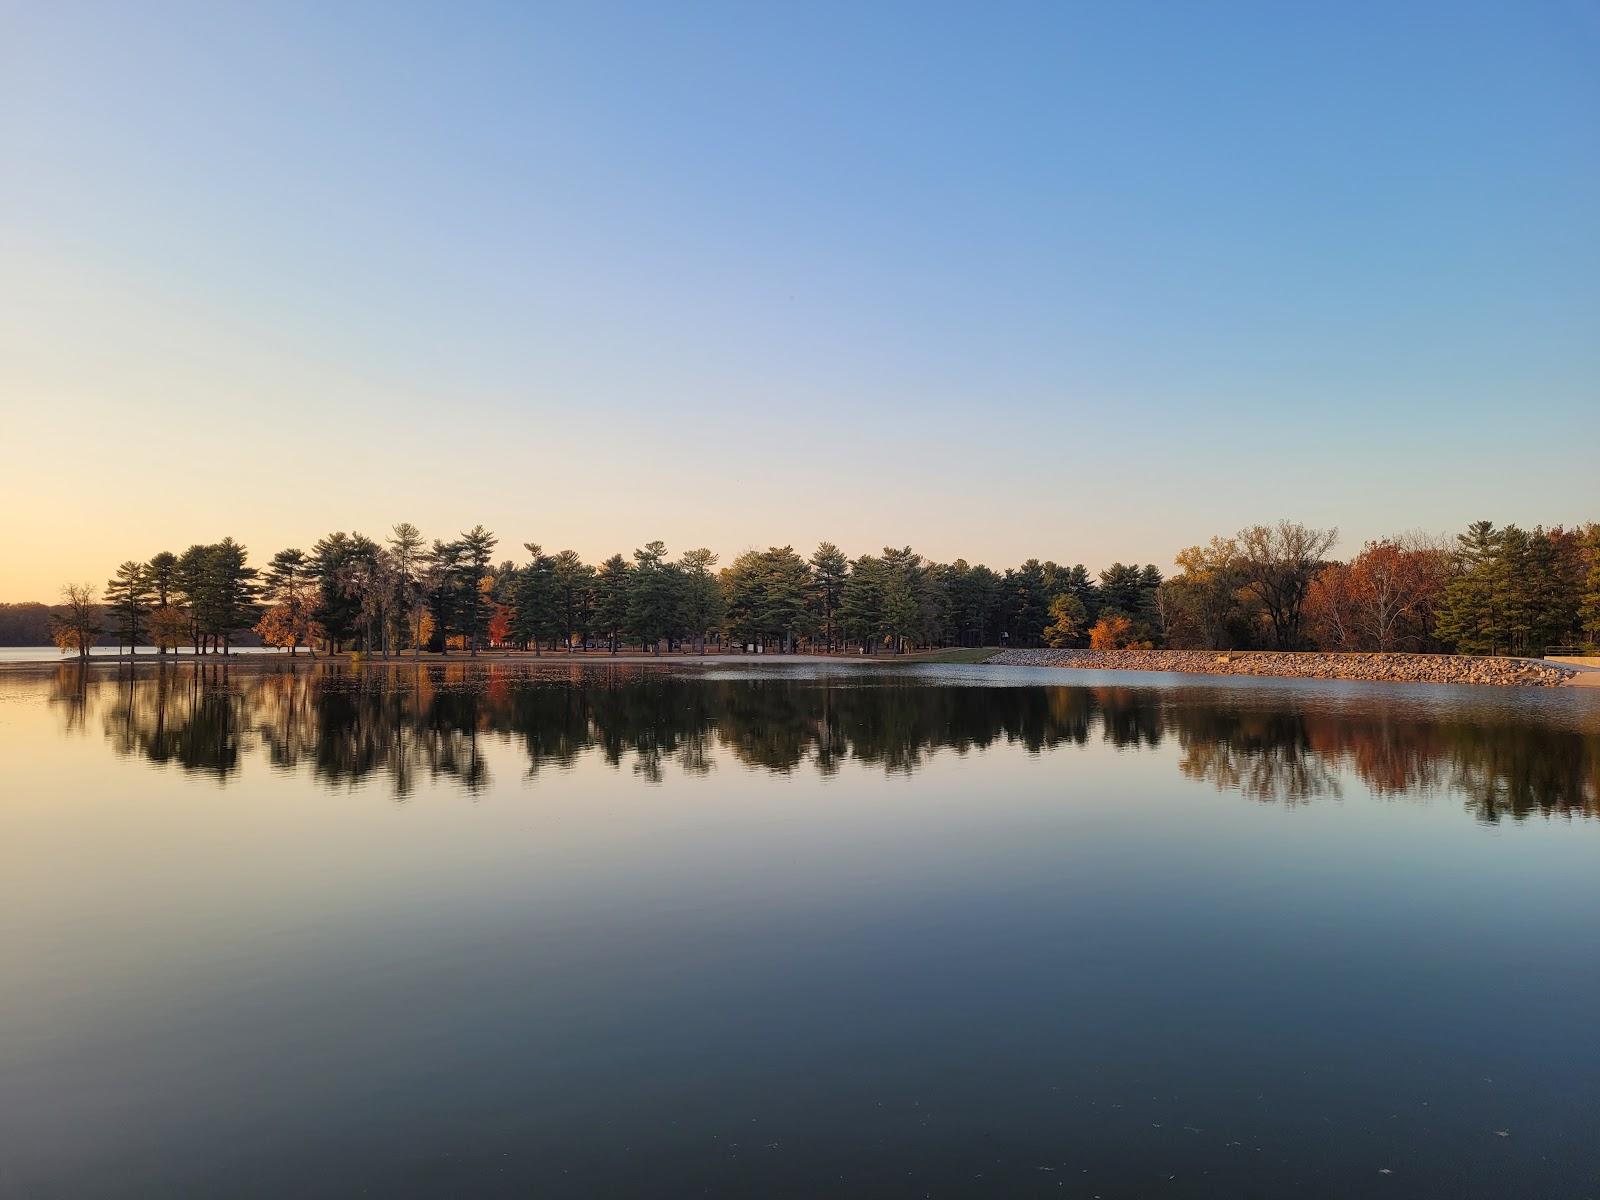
pixel 78 623
pixel 1278 563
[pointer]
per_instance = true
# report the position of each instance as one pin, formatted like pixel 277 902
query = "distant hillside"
pixel 28 624
pixel 25 624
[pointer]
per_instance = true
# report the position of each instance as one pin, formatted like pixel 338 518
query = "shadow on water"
pixel 430 722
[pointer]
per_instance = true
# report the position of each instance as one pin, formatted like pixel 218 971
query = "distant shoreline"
pixel 1261 664
pixel 256 658
pixel 1361 667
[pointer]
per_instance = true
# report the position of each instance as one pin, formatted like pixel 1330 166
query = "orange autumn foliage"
pixel 1111 632
pixel 500 625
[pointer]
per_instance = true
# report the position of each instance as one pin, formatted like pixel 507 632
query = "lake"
pixel 793 929
pixel 52 654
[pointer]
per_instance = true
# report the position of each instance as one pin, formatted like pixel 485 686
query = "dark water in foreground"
pixel 780 931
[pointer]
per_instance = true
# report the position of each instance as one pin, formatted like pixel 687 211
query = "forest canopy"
pixel 1489 590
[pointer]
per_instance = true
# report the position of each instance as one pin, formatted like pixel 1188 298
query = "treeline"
pixel 1489 591
pixel 25 624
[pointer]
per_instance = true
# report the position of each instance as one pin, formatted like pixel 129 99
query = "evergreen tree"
pixel 536 613
pixel 409 562
pixel 702 608
pixel 1122 590
pixel 653 598
pixel 861 605
pixel 1468 617
pixel 769 597
pixel 903 572
pixel 193 582
pixel 129 598
pixel 290 583
pixel 1589 601
pixel 973 599
pixel 1082 586
pixel 334 564
pixel 443 573
pixel 611 588
pixel 829 571
pixel 162 571
pixel 1030 608
pixel 574 580
pixel 1068 620
pixel 235 590
pixel 786 582
pixel 477 552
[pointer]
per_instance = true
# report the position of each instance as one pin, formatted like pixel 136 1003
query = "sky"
pixel 1078 281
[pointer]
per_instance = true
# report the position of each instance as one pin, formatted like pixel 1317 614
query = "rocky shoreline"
pixel 1378 668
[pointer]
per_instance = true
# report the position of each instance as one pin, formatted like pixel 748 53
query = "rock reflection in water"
pixel 429 722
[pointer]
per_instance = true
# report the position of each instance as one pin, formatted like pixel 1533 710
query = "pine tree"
pixel 786 584
pixel 574 583
pixel 1467 618
pixel 232 583
pixel 166 621
pixel 1589 602
pixel 861 605
pixel 611 587
pixel 1549 594
pixel 477 546
pixel 903 572
pixel 335 560
pixel 703 609
pixel 194 585
pixel 535 611
pixel 289 582
pixel 1513 591
pixel 1082 585
pixel 1068 620
pixel 653 597
pixel 829 571
pixel 406 556
pixel 129 598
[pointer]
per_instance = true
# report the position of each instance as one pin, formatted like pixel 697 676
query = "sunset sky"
pixel 1082 281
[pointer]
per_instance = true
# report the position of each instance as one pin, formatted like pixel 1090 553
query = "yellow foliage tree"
pixel 1111 632
pixel 169 628
pixel 75 628
pixel 288 624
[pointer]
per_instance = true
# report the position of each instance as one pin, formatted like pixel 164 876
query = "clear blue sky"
pixel 1083 281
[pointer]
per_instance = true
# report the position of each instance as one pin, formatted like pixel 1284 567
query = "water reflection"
pixel 430 721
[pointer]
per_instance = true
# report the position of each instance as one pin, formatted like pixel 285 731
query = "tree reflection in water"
pixel 430 720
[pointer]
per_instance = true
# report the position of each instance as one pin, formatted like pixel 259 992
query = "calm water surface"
pixel 787 930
